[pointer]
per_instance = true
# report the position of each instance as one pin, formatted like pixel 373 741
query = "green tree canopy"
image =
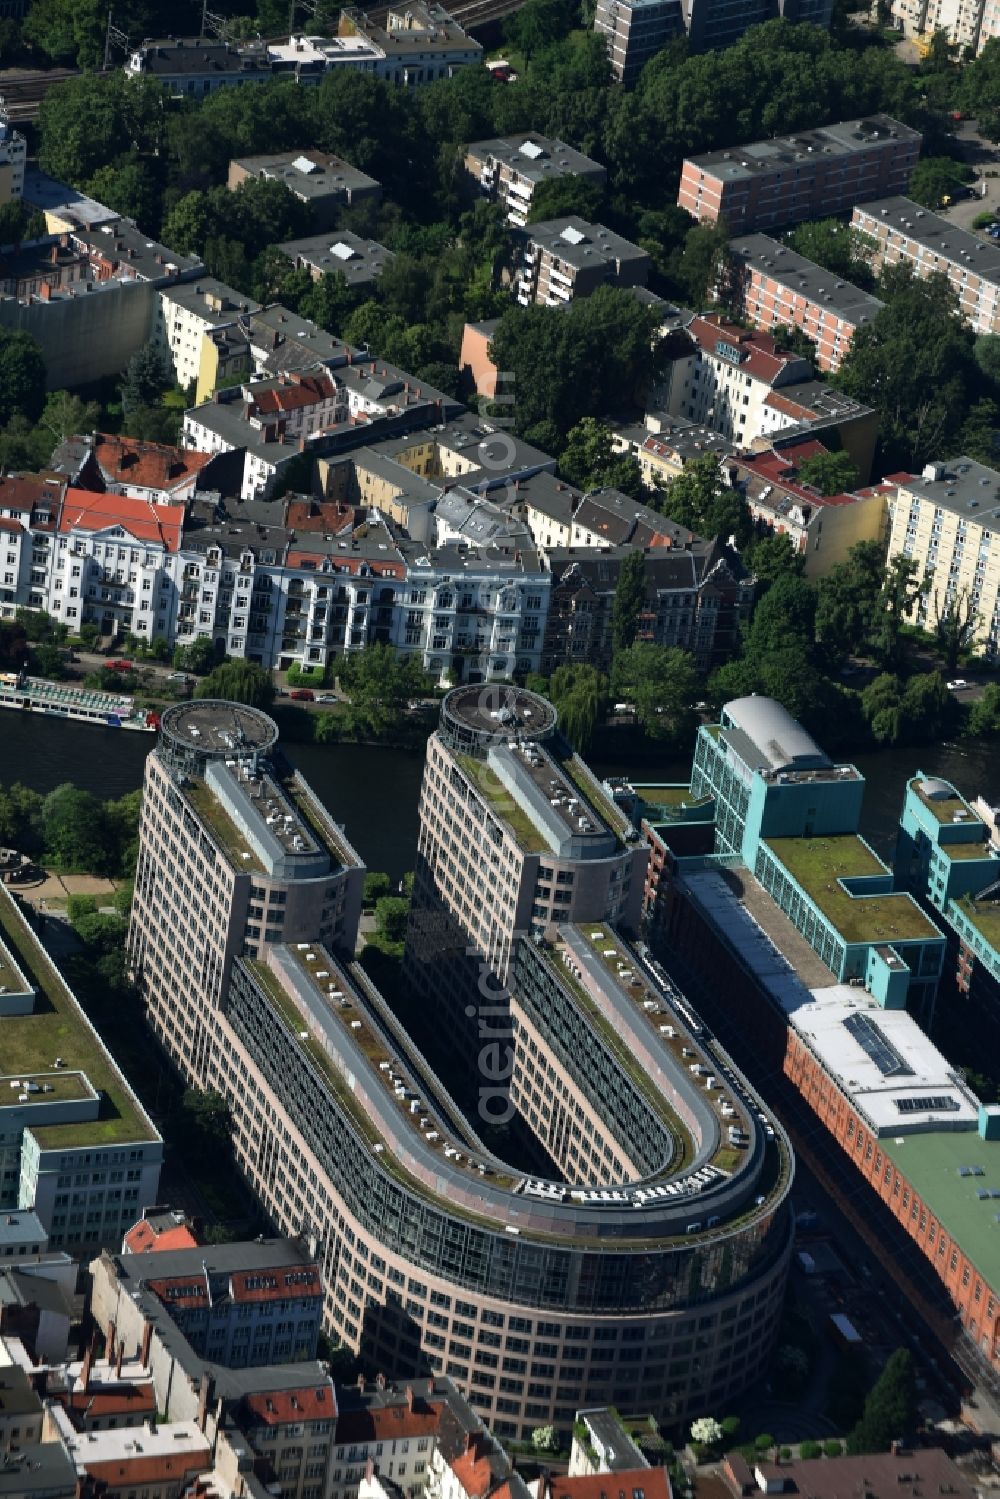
pixel 590 462
pixel 238 682
pixel 662 682
pixel 700 500
pixel 380 682
pixel 630 595
pixel 891 1408
pixel 580 695
pixel 830 473
pixel 22 376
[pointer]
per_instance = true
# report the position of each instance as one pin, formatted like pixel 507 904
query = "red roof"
pixel 142 519
pixel 325 517
pixel 134 1472
pixel 387 1423
pixel 147 465
pixel 310 1403
pixel 781 468
pixel 306 391
pixel 6 524
pixel 652 1482
pixel 142 1238
pixel 25 491
pixel 275 1285
pixel 762 356
pixel 300 557
pixel 473 1469
pixel 126 1400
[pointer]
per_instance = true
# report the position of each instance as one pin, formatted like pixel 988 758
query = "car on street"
pixel 176 676
pixel 303 695
pixel 958 684
pixel 326 697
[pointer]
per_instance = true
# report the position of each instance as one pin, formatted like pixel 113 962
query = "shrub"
pixel 785 1452
pixel 833 1448
pixel 810 1450
pixel 764 1442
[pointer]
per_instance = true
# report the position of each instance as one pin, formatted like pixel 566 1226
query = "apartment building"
pixel 195 66
pixel 13 157
pixel 190 311
pixel 566 258
pixel 822 528
pixel 810 175
pixel 776 288
pixel 109 463
pixel 744 386
pixel 265 864
pixel 968 24
pixel 417 45
pixel 561 850
pixel 947 520
pixel 695 599
pixel 903 233
pixel 76 1148
pixel 326 183
pixel 360 261
pixel 635 30
pixel 664 445
pixel 508 170
pixel 714 24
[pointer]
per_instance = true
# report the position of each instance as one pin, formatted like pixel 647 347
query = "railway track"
pixel 22 93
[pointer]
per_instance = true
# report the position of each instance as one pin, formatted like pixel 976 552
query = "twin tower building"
pixel 552 1185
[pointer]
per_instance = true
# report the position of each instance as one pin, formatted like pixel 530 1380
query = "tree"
pixel 891 1408
pixel 902 588
pixel 984 714
pixel 544 1439
pixel 580 695
pixel 589 461
pixel 391 915
pixel 377 884
pixel 207 1114
pixel 836 247
pixel 661 681
pixel 704 269
pixel 22 376
pixel 239 682
pixel 935 178
pixel 146 378
pixel 848 599
pixel 914 363
pixel 199 657
pixel 17 222
pixel 565 197
pixel 73 829
pixel 630 595
pixel 706 1431
pixel 830 473
pixel 774 557
pixel 784 618
pixel 130 187
pixel 956 620
pixel 700 500
pixel 380 683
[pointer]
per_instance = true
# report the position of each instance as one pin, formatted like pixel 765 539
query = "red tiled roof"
pixel 762 357
pixel 300 557
pixel 129 1400
pixel 275 1285
pixel 143 519
pixel 25 491
pixel 653 1482
pixel 387 1423
pixel 148 465
pixel 473 1470
pixel 781 468
pixel 310 1403
pixel 307 391
pixel 136 1471
pixel 143 1238
pixel 325 517
pixel 6 524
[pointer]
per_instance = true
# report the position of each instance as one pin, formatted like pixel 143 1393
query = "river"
pixel 374 791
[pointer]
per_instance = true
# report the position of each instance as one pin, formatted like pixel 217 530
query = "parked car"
pixel 327 697
pixel 303 695
pixel 176 676
pixel 121 665
pixel 958 685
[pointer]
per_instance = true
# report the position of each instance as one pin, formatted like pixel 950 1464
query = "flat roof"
pixel 218 729
pixel 845 138
pixel 942 799
pixel 537 157
pixel 961 486
pixel 933 1164
pixel 45 1470
pixel 820 864
pixel 950 243
pixel 58 1027
pixel 309 173
pixel 51 196
pixel 580 243
pixel 358 259
pixel 211 299
pixel 804 277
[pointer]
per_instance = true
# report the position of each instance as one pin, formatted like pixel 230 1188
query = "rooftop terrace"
pixel 820 864
pixel 946 808
pixel 59 1028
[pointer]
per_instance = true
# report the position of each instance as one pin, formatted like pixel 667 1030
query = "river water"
pixel 374 791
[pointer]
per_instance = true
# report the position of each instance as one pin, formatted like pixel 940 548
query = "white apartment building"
pixel 947 520
pixel 968 24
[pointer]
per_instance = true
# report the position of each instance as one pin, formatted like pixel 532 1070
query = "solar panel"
pixel 924 1105
pixel 876 1046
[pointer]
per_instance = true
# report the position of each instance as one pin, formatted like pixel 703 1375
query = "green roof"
pixel 945 807
pixel 931 1164
pixel 213 814
pixel 56 1086
pixel 819 863
pixel 985 916
pixel 58 1028
pixel 497 796
pixel 10 979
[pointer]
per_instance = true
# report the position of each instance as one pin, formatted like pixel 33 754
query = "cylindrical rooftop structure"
pixel 192 734
pixel 475 718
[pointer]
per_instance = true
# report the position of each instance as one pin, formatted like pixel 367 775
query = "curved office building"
pixel 645 1265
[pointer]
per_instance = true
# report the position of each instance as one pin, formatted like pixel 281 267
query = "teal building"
pixel 790 815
